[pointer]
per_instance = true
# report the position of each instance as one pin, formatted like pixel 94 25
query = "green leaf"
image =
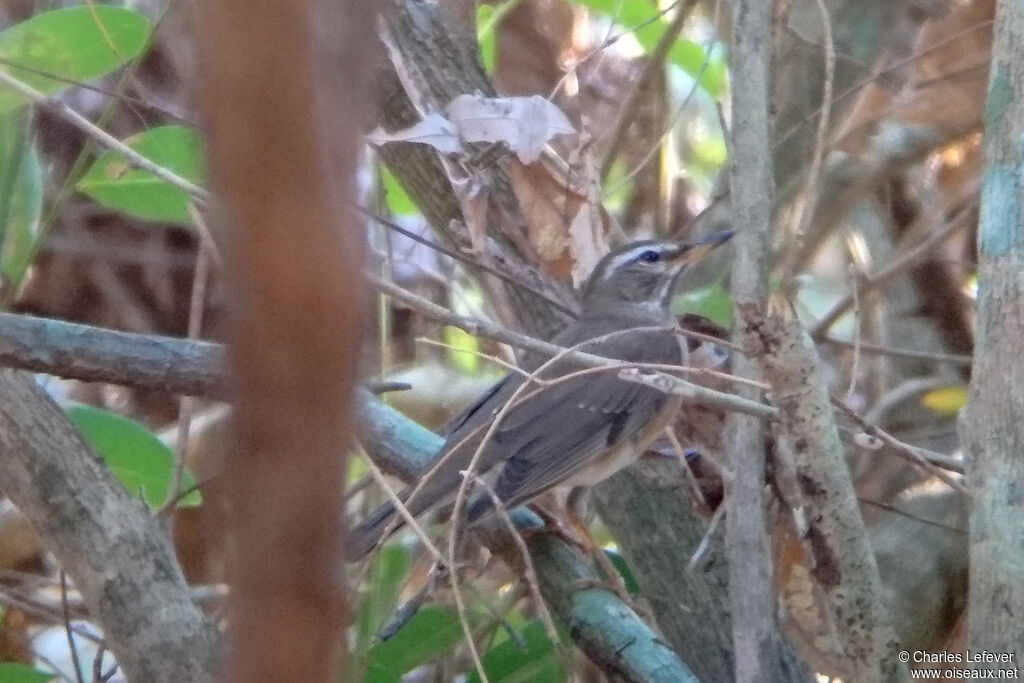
pixel 432 632
pixel 11 672
pixel 462 348
pixel 398 200
pixel 140 460
pixel 538 663
pixel 686 54
pixel 21 195
pixel 713 302
pixel 485 35
pixel 114 183
pixel 388 574
pixel 77 44
pixel 620 564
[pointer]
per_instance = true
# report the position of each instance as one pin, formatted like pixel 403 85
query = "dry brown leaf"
pixel 806 623
pixel 546 208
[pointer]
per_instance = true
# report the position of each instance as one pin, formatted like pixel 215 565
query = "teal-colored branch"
pixel 601 624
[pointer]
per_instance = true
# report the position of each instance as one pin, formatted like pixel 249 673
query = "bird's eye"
pixel 649 256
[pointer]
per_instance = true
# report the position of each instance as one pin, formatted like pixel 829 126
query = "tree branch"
pixel 756 636
pixel 398 445
pixel 119 556
pixel 993 432
pixel 197 368
pixel 841 558
pixel 93 354
pixel 604 627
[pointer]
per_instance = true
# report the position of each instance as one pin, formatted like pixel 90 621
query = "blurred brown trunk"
pixel 284 141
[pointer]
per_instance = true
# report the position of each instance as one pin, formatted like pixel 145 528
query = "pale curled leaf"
pixel 525 124
pixel 587 240
pixel 588 230
pixel 434 130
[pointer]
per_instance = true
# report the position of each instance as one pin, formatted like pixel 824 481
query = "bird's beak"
pixel 692 253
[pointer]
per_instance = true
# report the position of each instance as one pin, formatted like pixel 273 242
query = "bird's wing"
pixel 550 436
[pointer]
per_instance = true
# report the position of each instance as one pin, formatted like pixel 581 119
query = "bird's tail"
pixel 364 537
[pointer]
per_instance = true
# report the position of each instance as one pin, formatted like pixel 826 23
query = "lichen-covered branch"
pixel 993 431
pixel 603 626
pixel 841 558
pixel 117 553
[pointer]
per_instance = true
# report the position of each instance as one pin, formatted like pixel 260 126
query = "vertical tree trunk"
pixel 755 633
pixel 284 85
pixel 993 428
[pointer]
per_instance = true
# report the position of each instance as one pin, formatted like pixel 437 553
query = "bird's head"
pixel 644 274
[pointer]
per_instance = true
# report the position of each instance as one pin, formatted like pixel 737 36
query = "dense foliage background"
pixel 109 218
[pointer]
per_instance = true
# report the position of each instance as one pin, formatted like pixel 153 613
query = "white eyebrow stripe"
pixel 626 256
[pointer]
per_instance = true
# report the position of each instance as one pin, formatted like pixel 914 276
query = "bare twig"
pixel 186 404
pixel 934 463
pixel 105 139
pixel 879 349
pixel 627 112
pixel 529 572
pixel 668 127
pixel 468 260
pixel 403 511
pixel 608 41
pixel 895 268
pixel 66 614
pixel 805 212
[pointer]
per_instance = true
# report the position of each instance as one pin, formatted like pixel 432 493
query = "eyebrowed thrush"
pixel 577 431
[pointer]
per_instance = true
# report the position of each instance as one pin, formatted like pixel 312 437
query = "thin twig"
pixel 668 128
pixel 485 329
pixel 106 140
pixel 97 663
pixel 403 511
pixel 529 572
pixel 705 542
pixel 500 362
pixel 66 615
pixel 627 112
pixel 806 210
pixel 857 332
pixel 608 42
pixel 898 266
pixel 853 89
pixel 206 238
pixel 113 94
pixel 937 466
pixel 469 261
pixel 882 350
pixel 187 405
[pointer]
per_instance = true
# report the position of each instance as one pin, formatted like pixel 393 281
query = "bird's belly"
pixel 626 451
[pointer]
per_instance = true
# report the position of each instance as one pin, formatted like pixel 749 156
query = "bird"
pixel 574 432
